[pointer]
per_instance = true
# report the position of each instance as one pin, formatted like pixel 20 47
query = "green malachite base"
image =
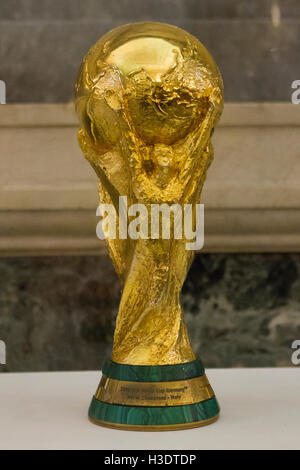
pixel 137 417
pixel 154 415
pixel 187 370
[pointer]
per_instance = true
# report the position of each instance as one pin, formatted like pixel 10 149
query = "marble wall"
pixel 255 43
pixel 58 313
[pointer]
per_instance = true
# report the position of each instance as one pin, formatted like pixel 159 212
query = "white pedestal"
pixel 260 409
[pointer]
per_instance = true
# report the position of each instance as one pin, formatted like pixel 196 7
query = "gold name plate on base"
pixel 178 392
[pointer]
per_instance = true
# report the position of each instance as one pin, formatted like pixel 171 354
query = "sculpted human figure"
pixel 148 97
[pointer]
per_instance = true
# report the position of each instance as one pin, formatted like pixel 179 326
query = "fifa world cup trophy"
pixel 148 96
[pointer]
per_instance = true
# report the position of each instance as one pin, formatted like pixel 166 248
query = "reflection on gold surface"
pixel 179 392
pixel 148 96
pixel 155 56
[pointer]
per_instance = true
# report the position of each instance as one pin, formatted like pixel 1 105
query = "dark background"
pixel 58 313
pixel 255 42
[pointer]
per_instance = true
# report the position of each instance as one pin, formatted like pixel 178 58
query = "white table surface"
pixel 260 409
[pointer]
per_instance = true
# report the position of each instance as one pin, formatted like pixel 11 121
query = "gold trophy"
pixel 148 96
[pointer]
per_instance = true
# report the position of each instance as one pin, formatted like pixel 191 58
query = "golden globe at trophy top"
pixel 148 96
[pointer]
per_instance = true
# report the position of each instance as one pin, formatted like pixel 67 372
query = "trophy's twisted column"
pixel 148 96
